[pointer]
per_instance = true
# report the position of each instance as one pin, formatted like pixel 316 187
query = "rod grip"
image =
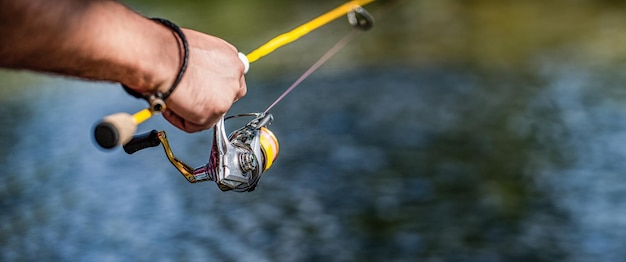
pixel 114 130
pixel 142 141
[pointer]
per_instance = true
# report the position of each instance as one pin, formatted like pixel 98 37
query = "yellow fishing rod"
pixel 304 29
pixel 118 129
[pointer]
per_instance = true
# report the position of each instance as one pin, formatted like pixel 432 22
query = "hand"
pixel 213 81
pixel 104 40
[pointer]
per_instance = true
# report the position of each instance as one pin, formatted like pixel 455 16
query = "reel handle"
pixel 142 141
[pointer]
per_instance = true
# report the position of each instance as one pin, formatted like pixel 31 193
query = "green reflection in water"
pixel 494 34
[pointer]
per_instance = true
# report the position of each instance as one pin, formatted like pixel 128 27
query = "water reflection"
pixel 402 161
pixel 439 164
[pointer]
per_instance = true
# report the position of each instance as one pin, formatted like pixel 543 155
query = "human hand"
pixel 213 81
pixel 106 41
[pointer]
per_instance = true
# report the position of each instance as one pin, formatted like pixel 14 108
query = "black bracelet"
pixel 158 98
pixel 183 39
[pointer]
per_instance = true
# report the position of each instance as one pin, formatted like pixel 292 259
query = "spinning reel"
pixel 236 161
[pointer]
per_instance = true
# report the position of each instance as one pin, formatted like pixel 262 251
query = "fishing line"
pixel 304 29
pixel 328 55
pixel 361 20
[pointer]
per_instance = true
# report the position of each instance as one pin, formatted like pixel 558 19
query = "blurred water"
pixel 454 131
pixel 375 164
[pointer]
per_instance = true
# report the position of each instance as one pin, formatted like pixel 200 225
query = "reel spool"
pixel 236 161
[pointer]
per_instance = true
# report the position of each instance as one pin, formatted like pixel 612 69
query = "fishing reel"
pixel 236 162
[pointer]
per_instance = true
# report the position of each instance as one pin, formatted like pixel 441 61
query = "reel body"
pixel 236 161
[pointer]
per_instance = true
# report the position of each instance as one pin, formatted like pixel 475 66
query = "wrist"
pixel 157 97
pixel 158 65
pixel 184 53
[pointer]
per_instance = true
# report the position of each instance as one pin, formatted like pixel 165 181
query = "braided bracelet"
pixel 157 99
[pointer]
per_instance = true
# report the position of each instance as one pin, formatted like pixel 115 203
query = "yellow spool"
pixel 269 147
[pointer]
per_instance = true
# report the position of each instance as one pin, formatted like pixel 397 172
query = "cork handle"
pixel 116 129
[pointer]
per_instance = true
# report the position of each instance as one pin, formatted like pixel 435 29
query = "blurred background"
pixel 452 131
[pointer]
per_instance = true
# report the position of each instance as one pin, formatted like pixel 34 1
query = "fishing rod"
pixel 237 160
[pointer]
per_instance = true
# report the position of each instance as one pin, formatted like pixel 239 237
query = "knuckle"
pixel 215 111
pixel 242 92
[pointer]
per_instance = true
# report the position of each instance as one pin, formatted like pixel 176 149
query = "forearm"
pixel 104 40
pixel 93 39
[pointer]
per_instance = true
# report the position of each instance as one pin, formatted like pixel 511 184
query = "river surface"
pixel 402 160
